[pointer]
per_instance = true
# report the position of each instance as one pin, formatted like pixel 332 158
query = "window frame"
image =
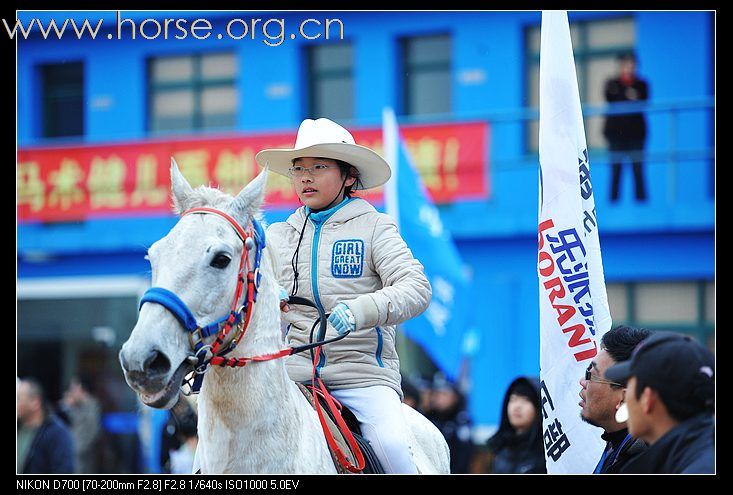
pixel 313 77
pixel 405 66
pixel 198 83
pixel 701 328
pixel 51 95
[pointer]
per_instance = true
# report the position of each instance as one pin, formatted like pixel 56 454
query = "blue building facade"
pixel 658 255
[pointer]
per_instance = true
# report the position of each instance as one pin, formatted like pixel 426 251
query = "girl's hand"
pixel 342 319
pixel 284 307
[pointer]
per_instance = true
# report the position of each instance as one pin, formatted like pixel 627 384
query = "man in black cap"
pixel 670 397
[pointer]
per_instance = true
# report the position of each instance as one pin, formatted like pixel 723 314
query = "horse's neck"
pixel 257 402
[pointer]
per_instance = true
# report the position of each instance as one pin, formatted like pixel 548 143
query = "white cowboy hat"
pixel 324 138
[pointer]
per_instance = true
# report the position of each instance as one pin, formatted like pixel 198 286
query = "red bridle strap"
pixel 239 362
pixel 238 228
pixel 244 267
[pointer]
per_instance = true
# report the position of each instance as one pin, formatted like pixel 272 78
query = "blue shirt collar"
pixel 320 217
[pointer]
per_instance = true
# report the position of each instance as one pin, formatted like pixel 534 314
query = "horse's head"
pixel 198 261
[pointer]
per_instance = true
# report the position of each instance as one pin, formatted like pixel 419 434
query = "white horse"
pixel 252 419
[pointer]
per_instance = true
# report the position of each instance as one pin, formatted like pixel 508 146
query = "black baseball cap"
pixel 678 367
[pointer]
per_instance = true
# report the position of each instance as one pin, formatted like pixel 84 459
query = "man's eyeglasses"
pixel 590 377
pixel 315 170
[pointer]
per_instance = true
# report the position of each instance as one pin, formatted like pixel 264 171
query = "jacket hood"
pixel 506 433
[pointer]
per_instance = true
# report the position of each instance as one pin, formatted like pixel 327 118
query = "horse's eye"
pixel 221 261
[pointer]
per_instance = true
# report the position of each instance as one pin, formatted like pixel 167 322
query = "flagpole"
pixel 390 139
pixel 440 329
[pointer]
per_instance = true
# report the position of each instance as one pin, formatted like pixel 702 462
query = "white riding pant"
pixel 379 411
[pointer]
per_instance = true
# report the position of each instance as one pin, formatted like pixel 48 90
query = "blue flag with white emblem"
pixel 440 329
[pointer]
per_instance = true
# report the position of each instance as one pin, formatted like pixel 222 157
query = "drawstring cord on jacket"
pixel 294 259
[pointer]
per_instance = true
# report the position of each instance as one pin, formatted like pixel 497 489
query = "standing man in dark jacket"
pixel 45 444
pixel 517 446
pixel 626 133
pixel 670 398
pixel 601 399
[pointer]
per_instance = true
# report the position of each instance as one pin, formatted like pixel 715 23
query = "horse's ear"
pixel 180 189
pixel 249 200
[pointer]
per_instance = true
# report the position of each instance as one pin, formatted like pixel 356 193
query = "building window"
pixel 63 99
pixel 426 69
pixel 596 44
pixel 685 306
pixel 192 92
pixel 331 81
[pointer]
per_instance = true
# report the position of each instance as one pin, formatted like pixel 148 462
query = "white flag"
pixel 574 310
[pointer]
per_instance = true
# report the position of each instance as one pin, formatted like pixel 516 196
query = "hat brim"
pixel 619 373
pixel 373 169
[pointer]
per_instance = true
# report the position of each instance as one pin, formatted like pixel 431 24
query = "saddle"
pixel 371 463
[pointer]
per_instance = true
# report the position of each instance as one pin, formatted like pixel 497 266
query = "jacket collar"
pixel 674 446
pixel 319 217
pixel 616 438
pixel 346 210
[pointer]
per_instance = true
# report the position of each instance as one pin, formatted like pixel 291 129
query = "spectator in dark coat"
pixel 626 132
pixel 448 413
pixel 85 419
pixel 176 431
pixel 670 397
pixel 517 446
pixel 410 394
pixel 44 443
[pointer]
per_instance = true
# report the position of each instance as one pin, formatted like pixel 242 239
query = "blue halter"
pixel 198 333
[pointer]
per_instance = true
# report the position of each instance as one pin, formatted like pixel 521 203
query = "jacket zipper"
pixel 380 344
pixel 314 265
pixel 314 281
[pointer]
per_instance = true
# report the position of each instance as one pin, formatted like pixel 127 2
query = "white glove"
pixel 342 319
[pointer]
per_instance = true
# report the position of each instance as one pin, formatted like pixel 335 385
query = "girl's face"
pixel 318 182
pixel 521 412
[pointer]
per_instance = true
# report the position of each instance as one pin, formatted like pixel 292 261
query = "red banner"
pixel 74 183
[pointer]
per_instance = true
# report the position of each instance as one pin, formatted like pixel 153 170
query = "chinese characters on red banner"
pixel 74 183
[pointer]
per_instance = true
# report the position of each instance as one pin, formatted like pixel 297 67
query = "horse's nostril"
pixel 157 363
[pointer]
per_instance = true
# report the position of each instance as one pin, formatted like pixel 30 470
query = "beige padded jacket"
pixel 352 254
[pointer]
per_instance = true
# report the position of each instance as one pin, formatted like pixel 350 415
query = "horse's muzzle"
pixel 154 366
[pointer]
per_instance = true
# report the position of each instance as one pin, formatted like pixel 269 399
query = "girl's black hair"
pixel 347 171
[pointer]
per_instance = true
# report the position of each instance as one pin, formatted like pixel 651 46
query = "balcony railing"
pixel 666 123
